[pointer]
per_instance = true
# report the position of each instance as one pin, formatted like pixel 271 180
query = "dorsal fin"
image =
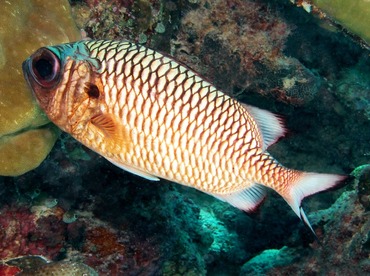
pixel 270 125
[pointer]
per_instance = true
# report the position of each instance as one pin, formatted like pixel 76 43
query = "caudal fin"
pixel 308 184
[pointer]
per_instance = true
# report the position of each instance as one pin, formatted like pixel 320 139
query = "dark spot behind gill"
pixel 92 90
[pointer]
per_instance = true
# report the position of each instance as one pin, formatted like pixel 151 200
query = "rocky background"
pixel 272 54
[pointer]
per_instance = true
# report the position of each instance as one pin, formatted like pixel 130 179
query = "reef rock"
pixel 343 231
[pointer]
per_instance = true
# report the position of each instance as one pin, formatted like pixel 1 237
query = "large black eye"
pixel 45 68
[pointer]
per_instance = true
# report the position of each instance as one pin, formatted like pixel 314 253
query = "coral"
pixel 353 15
pixel 26 26
pixel 353 87
pixel 141 21
pixel 6 270
pixel 343 231
pixel 21 233
pixel 267 260
pixel 103 242
pixel 166 229
pixel 241 44
pixel 21 152
pixel 362 173
pixel 223 240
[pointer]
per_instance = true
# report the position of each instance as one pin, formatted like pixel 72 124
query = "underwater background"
pixel 304 61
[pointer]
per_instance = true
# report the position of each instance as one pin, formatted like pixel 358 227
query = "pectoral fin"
pixel 106 125
pixel 116 137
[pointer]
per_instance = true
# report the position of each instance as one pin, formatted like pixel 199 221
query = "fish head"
pixel 63 81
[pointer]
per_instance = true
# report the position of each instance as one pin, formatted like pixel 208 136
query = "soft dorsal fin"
pixel 270 125
pixel 134 170
pixel 247 200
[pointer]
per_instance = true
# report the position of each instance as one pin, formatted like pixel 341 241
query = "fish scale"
pixel 154 117
pixel 205 176
pixel 195 101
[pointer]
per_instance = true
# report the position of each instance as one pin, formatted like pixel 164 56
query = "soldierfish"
pixel 154 117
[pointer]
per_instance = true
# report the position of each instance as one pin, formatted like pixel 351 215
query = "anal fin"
pixel 247 200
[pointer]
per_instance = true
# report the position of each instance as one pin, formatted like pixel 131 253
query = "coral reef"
pixel 26 26
pixel 269 259
pixel 104 242
pixel 142 21
pixel 77 207
pixel 353 15
pixel 23 234
pixel 241 43
pixel 352 18
pixel 343 231
pixel 7 270
pixel 353 89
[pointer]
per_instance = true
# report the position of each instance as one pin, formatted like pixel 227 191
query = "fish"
pixel 157 118
pixel 35 265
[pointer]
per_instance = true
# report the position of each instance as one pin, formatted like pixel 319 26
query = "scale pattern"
pixel 180 127
pixel 154 117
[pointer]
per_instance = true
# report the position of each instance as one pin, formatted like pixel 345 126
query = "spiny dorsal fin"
pixel 270 125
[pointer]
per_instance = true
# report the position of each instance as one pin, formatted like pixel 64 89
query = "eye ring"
pixel 45 68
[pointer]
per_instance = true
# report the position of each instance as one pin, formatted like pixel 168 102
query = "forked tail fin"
pixel 308 184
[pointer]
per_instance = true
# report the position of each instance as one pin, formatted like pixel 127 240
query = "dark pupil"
pixel 44 68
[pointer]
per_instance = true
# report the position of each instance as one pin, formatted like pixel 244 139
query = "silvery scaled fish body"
pixel 154 117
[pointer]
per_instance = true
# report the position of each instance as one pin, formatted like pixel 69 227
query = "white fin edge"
pixel 247 200
pixel 308 184
pixel 271 125
pixel 134 170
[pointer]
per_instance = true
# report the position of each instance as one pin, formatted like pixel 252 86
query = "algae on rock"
pixel 26 25
pixel 354 15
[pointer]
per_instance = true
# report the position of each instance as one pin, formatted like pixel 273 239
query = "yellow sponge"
pixel 25 26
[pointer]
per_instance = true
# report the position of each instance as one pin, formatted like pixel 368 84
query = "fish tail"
pixel 306 184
